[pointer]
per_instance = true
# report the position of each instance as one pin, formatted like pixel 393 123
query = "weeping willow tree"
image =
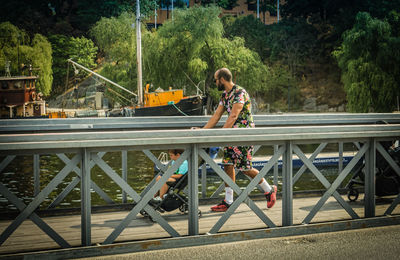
pixel 183 53
pixel 369 58
pixel 188 50
pixel 17 47
pixel 116 39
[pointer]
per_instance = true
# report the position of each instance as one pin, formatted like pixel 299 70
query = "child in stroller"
pixel 171 195
pixel 174 154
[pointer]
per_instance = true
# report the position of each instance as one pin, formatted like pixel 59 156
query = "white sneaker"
pixel 157 198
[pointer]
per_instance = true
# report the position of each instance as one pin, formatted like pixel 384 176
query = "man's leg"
pixel 269 192
pixel 230 170
pixel 224 205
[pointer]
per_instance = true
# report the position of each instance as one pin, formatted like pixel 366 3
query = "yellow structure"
pixel 162 98
pixel 244 8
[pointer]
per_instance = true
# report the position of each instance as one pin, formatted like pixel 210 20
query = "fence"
pixel 89 147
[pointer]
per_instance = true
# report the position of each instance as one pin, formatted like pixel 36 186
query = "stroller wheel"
pixel 353 194
pixel 144 213
pixel 183 208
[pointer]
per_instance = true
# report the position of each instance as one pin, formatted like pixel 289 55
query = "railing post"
pixel 36 174
pixel 287 186
pixel 370 165
pixel 276 166
pixel 193 191
pixel 85 199
pixel 124 172
pixel 204 180
pixel 340 166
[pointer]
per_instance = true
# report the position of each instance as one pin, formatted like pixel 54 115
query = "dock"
pixel 28 237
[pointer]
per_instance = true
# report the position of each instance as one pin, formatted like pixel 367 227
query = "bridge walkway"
pixel 30 238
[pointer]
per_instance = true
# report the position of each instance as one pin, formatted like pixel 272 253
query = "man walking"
pixel 236 101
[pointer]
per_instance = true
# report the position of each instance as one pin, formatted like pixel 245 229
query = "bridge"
pixel 82 143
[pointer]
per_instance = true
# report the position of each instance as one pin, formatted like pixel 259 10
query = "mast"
pixel 139 55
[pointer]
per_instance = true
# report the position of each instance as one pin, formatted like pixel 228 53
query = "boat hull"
pixel 191 106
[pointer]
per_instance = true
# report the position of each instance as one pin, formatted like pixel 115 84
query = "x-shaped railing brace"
pixel 222 185
pixel 396 168
pixel 243 195
pixel 76 181
pixel 331 188
pixel 28 211
pixel 142 199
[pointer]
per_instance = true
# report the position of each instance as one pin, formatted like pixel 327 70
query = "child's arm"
pixel 176 176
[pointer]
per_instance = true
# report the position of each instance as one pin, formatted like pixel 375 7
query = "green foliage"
pixel 40 57
pixel 291 43
pixel 173 53
pixel 369 58
pixel 116 39
pixel 10 41
pixel 80 50
pixel 251 29
pixel 15 46
pixel 225 4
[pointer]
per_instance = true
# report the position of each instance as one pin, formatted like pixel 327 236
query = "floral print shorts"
pixel 239 156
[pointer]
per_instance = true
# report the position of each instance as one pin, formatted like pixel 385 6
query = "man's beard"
pixel 220 87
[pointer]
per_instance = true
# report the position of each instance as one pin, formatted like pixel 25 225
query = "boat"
pixel 169 103
pixel 19 98
pixel 160 102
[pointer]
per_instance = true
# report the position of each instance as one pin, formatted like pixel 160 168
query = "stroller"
pixel 387 182
pixel 175 198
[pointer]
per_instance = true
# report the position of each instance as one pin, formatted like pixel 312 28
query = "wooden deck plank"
pixel 28 237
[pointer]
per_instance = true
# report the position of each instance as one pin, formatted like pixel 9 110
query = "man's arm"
pixel 236 108
pixel 215 118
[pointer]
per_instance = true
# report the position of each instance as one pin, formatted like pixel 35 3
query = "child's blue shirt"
pixel 183 168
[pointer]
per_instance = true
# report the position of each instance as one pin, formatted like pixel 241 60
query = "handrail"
pixel 202 136
pixel 176 122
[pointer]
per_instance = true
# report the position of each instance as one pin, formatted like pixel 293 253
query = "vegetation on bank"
pixel 330 50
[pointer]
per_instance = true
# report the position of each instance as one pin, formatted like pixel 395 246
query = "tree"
pixel 291 43
pixel 116 38
pixel 225 4
pixel 80 50
pixel 369 58
pixel 17 47
pixel 251 29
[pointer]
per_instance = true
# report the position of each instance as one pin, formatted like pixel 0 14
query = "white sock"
pixel 265 186
pixel 228 195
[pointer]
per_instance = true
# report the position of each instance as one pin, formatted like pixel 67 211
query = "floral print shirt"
pixel 238 95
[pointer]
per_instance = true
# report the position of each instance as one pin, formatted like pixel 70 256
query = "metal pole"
pixel 193 192
pixel 370 162
pixel 340 157
pixel 139 55
pixel 277 11
pixel 287 186
pixel 124 173
pixel 155 18
pixel 101 77
pixel 204 180
pixel 276 166
pixel 172 10
pixel 36 174
pixel 258 9
pixel 85 199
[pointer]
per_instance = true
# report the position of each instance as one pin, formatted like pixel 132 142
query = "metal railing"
pixel 89 147
pixel 176 122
